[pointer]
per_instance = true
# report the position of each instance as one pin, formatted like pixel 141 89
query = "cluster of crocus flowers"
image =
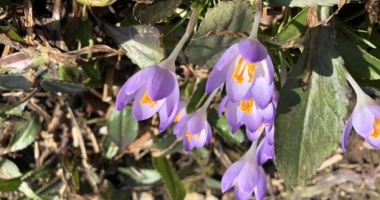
pixel 155 89
pixel 365 117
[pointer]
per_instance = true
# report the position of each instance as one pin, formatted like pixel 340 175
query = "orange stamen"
pixel 241 68
pixel 376 129
pixel 247 106
pixel 147 100
pixel 237 185
pixel 189 136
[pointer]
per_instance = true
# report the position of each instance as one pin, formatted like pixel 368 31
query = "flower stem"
pixel 189 29
pixel 358 90
pixel 210 98
pixel 256 22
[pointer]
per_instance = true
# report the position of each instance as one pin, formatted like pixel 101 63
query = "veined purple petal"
pixel 268 112
pixel 261 186
pixel 362 120
pixel 237 90
pixel 122 98
pixel 269 131
pixel 235 128
pixel 267 65
pixel 196 123
pixel 209 133
pixel 253 136
pixel 222 105
pixel 232 114
pixel 374 109
pixel 248 175
pixel 346 133
pixel 262 92
pixel 252 50
pixel 143 107
pixel 265 151
pixel 252 121
pixel 374 142
pixel 136 81
pixel 160 82
pixel 229 176
pixel 215 79
pixel 189 145
pixel 200 140
pixel 169 110
pixel 241 195
pixel 183 122
pixel 181 132
pixel 229 55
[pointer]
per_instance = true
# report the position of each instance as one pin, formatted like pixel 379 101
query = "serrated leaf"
pixel 292 31
pixel 170 178
pixel 141 43
pixel 14 82
pixel 198 97
pixel 359 62
pixel 122 127
pixel 63 87
pixel 220 124
pixel 155 12
pixel 303 3
pixel 25 132
pixel 310 112
pixel 222 27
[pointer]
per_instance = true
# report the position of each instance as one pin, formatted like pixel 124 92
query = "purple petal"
pixel 374 109
pixel 261 187
pixel 215 79
pixel 181 123
pixel 267 66
pixel 362 120
pixel 222 105
pixel 248 175
pixel 228 56
pixel 200 139
pixel 161 82
pixel 237 90
pixel 169 110
pixel 122 98
pixel 252 50
pixel 374 142
pixel 235 128
pixel 241 195
pixel 229 176
pixel 346 133
pixel 136 81
pixel 209 133
pixel 189 145
pixel 262 92
pixel 181 132
pixel 253 136
pixel 197 123
pixel 232 114
pixel 144 111
pixel 265 151
pixel 268 112
pixel 252 121
pixel 269 131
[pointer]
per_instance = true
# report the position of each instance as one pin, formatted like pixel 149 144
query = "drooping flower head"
pixel 246 175
pixel 195 130
pixel 242 66
pixel 155 89
pixel 365 117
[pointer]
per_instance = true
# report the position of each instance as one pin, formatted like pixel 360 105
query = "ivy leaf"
pixel 142 43
pixel 223 26
pixel 155 12
pixel 310 115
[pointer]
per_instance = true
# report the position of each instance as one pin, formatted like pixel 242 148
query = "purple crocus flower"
pixel 246 176
pixel 265 151
pixel 242 66
pixel 365 117
pixel 155 89
pixel 195 130
pixel 246 112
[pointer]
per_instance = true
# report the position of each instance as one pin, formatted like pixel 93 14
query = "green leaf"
pixel 63 87
pixel 10 184
pixel 97 3
pixel 10 31
pixel 147 176
pixel 122 127
pixel 14 82
pixel 170 177
pixel 303 3
pixel 223 129
pixel 155 12
pixel 25 132
pixel 198 97
pixel 141 43
pixel 293 31
pixel 359 62
pixel 310 112
pixel 222 27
